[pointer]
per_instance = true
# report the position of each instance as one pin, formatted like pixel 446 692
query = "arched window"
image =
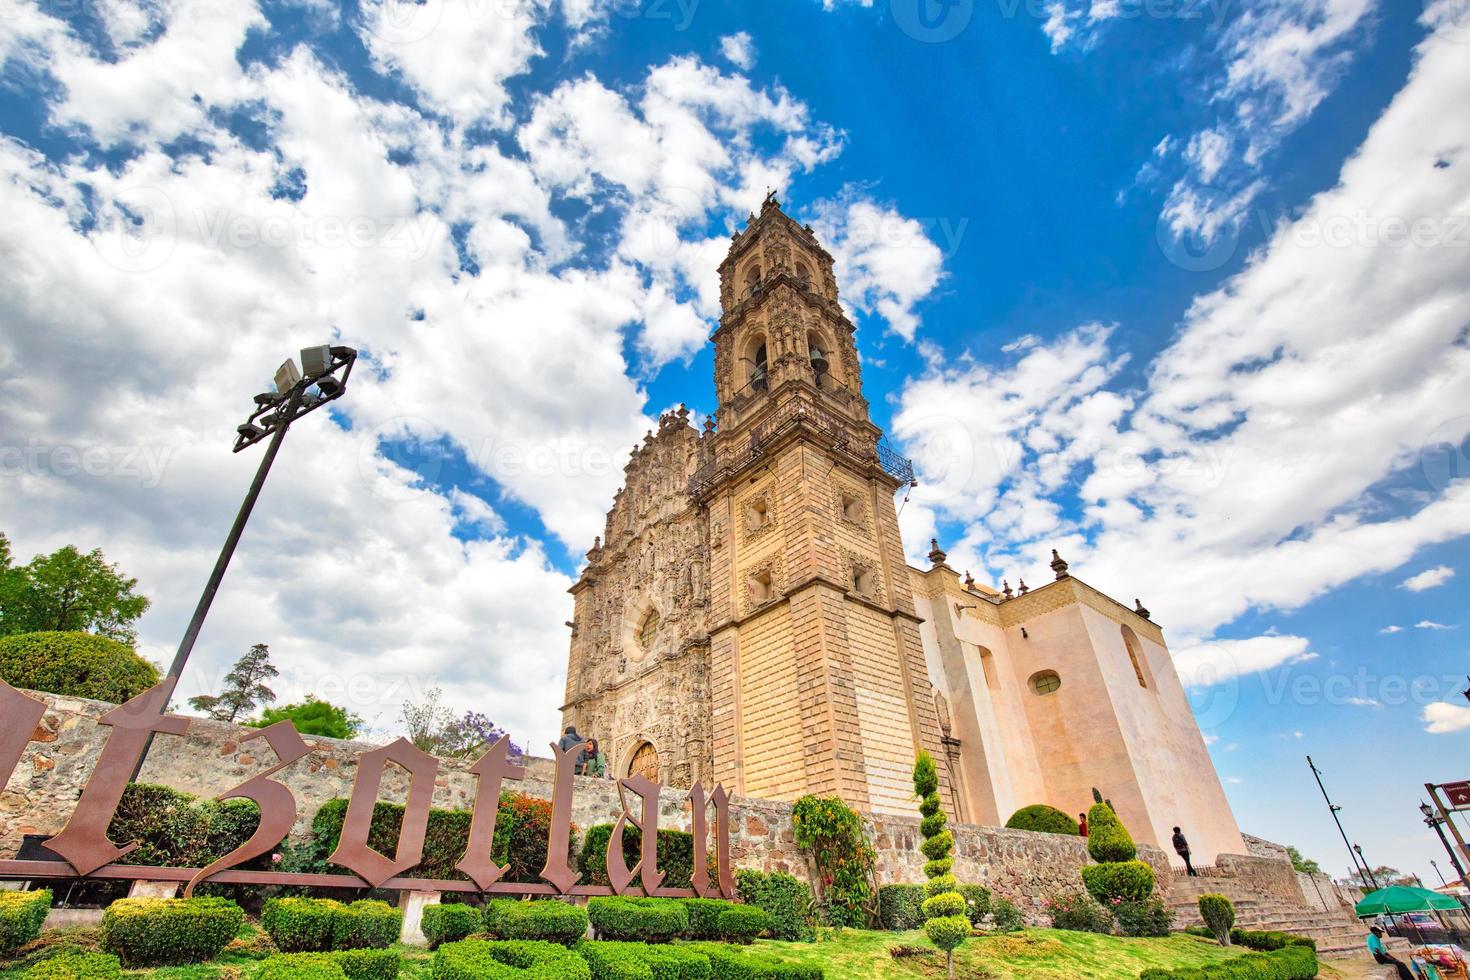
pixel 820 357
pixel 648 631
pixel 644 762
pixel 752 281
pixel 756 362
pixel 1045 682
pixel 803 272
pixel 1136 655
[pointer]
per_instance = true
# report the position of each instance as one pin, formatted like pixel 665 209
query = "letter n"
pixel 699 878
pixel 352 850
pixel 618 875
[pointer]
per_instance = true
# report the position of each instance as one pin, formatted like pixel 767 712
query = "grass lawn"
pixel 1044 954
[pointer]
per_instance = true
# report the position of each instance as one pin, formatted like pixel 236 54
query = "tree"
pixel 68 592
pixel 1305 865
pixel 312 717
pixel 1385 877
pixel 244 689
pixel 433 728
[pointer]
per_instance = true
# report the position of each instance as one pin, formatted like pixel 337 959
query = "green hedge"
pixel 743 924
pixel 477 959
pixel 353 964
pixel 366 925
pixel 299 925
pixel 308 925
pixel 522 829
pixel 168 931
pixel 899 907
pixel 450 923
pixel 21 916
pixel 175 829
pixel 977 902
pixel 1261 942
pixel 648 920
pixel 77 966
pixel 550 920
pixel 1287 963
pixel 675 854
pixel 786 899
pixel 1043 819
pixel 639 961
pixel 738 963
pixel 79 665
pixel 704 916
pixel 1128 881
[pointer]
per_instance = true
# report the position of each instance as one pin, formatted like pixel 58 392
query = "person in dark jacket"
pixel 1181 848
pixel 570 738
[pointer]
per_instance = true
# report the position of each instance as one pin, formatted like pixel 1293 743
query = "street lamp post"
pixel 322 378
pixel 1435 822
pixel 1367 868
pixel 1354 854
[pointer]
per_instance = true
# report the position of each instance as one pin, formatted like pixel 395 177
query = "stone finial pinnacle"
pixel 936 554
pixel 1058 565
pixel 969 580
pixel 1006 589
pixel 1138 608
pixel 1024 588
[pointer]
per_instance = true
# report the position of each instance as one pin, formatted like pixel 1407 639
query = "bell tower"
pixel 817 672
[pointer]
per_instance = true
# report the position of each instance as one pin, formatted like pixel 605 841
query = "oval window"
pixel 1045 682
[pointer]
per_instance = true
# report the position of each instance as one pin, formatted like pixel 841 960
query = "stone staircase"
pixel 1337 933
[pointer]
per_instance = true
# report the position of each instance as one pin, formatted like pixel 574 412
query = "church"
pixel 748 616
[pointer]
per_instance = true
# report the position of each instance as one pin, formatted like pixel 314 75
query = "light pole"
pixel 1435 865
pixel 1354 854
pixel 1367 869
pixel 1435 822
pixel 321 378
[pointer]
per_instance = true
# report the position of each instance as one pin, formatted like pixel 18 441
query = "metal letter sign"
pixel 86 850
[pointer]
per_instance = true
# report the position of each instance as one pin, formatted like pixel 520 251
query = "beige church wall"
pixel 883 716
pixel 771 741
pixel 1176 777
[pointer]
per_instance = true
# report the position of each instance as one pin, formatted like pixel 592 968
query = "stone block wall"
pixel 214 757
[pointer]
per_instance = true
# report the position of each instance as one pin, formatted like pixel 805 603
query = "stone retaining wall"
pixel 214 757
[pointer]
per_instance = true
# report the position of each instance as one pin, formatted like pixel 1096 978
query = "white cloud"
pixel 885 262
pixel 1389 630
pixel 1365 702
pixel 1444 718
pixel 1428 579
pixel 1221 660
pixel 1429 624
pixel 1243 473
pixel 739 49
pixel 1211 739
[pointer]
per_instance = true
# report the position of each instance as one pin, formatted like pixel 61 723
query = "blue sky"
pixel 1181 288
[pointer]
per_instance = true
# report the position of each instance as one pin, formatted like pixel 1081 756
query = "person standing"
pixel 1082 825
pixel 1181 848
pixel 570 739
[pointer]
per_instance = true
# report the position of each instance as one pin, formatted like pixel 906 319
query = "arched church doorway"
pixel 644 762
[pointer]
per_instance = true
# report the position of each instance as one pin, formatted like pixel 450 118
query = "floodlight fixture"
pixel 288 375
pixel 316 361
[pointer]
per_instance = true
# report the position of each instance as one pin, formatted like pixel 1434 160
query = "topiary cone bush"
pixel 1107 839
pixel 1043 819
pixel 945 921
pixel 1219 915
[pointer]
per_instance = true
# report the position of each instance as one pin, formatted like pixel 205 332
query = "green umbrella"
pixel 1401 898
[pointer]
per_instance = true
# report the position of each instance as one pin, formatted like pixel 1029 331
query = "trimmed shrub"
pixel 477 959
pixel 168 931
pixel 637 961
pixel 299 925
pixel 1219 915
pixel 1005 917
pixel 21 916
pixel 78 665
pixel 175 829
pixel 899 907
pixel 1043 819
pixel 368 964
pixel 977 902
pixel 1287 963
pixel 704 916
pixel 301 966
pixel 1108 841
pixel 77 966
pixel 1128 881
pixel 1077 912
pixel 738 963
pixel 785 898
pixel 648 920
pixel 548 919
pixel 1149 917
pixel 366 924
pixel 675 854
pixel 743 923
pixel 450 923
pixel 945 911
